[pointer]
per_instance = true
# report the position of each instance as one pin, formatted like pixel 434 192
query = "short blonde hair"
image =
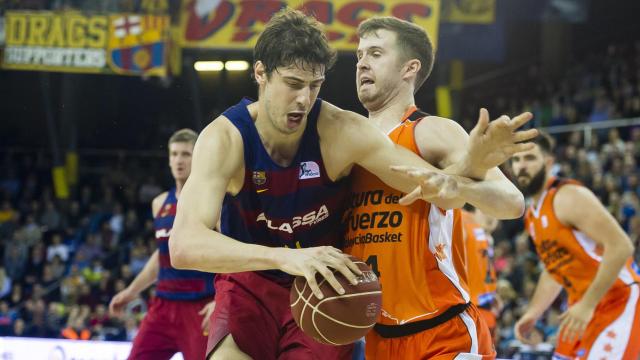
pixel 183 136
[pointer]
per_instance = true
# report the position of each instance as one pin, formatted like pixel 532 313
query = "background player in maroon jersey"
pixel 178 319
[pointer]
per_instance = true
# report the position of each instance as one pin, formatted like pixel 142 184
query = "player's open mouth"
pixel 294 119
pixel 365 81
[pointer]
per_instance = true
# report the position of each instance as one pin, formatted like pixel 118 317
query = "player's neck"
pixel 536 197
pixel 282 148
pixel 179 185
pixel 389 115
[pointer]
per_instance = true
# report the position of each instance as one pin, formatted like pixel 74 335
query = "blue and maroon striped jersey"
pixel 296 206
pixel 174 284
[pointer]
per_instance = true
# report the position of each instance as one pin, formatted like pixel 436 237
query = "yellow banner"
pixel 469 11
pixel 236 24
pixel 70 41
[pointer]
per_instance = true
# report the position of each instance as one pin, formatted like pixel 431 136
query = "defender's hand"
pixel 493 143
pixel 307 262
pixel 430 185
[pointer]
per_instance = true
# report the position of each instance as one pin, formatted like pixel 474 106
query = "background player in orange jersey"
pixel 426 310
pixel 584 251
pixel 478 263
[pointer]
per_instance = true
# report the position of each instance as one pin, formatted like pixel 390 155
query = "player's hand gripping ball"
pixel 338 319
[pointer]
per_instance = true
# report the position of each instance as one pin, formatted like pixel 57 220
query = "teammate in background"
pixel 426 309
pixel 479 269
pixel 178 318
pixel 279 165
pixel 584 251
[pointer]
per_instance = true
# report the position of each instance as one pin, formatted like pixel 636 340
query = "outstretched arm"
pixel 361 143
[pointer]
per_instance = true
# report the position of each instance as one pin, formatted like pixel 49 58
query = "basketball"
pixel 337 319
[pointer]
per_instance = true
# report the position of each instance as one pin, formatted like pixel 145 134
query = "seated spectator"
pixel 57 248
pixel 77 330
pixel 5 283
pixel 7 213
pixel 58 267
pixel 7 317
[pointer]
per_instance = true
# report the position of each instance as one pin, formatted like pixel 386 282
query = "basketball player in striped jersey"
pixel 178 318
pixel 411 243
pixel 275 170
pixel 478 264
pixel 585 252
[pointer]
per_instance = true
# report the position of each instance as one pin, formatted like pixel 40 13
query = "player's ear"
pixel 260 72
pixel 548 160
pixel 411 68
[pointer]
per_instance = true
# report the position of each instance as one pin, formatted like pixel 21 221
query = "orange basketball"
pixel 337 319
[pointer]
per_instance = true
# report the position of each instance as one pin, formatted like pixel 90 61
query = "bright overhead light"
pixel 208 65
pixel 236 65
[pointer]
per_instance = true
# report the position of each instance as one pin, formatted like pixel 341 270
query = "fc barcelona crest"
pixel 259 177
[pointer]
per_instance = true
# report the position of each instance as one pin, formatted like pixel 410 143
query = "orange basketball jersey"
pixel 481 275
pixel 569 256
pixel 409 247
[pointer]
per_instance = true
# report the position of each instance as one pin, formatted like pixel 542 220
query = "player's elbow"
pixel 513 206
pixel 628 248
pixel 179 251
pixel 519 205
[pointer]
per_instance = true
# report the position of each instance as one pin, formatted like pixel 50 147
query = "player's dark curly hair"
pixel 293 38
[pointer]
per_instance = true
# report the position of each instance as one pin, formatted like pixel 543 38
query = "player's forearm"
pixel 545 294
pixel 380 160
pixel 613 259
pixel 147 276
pixel 465 168
pixel 498 198
pixel 202 249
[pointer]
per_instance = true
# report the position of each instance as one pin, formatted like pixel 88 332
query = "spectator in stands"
pixel 5 283
pixel 16 256
pixel 57 248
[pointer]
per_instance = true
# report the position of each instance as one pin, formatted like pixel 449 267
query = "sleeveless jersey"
pixel 481 275
pixel 297 206
pixel 409 247
pixel 174 284
pixel 569 256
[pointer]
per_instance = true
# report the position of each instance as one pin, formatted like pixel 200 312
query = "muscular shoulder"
pixel 157 202
pixel 335 119
pixel 573 202
pixel 441 141
pixel 218 155
pixel 220 133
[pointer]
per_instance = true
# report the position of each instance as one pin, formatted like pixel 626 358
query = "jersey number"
pixel 372 261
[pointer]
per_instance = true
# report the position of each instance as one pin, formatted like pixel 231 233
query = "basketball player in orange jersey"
pixel 426 309
pixel 178 318
pixel 584 251
pixel 279 163
pixel 478 263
